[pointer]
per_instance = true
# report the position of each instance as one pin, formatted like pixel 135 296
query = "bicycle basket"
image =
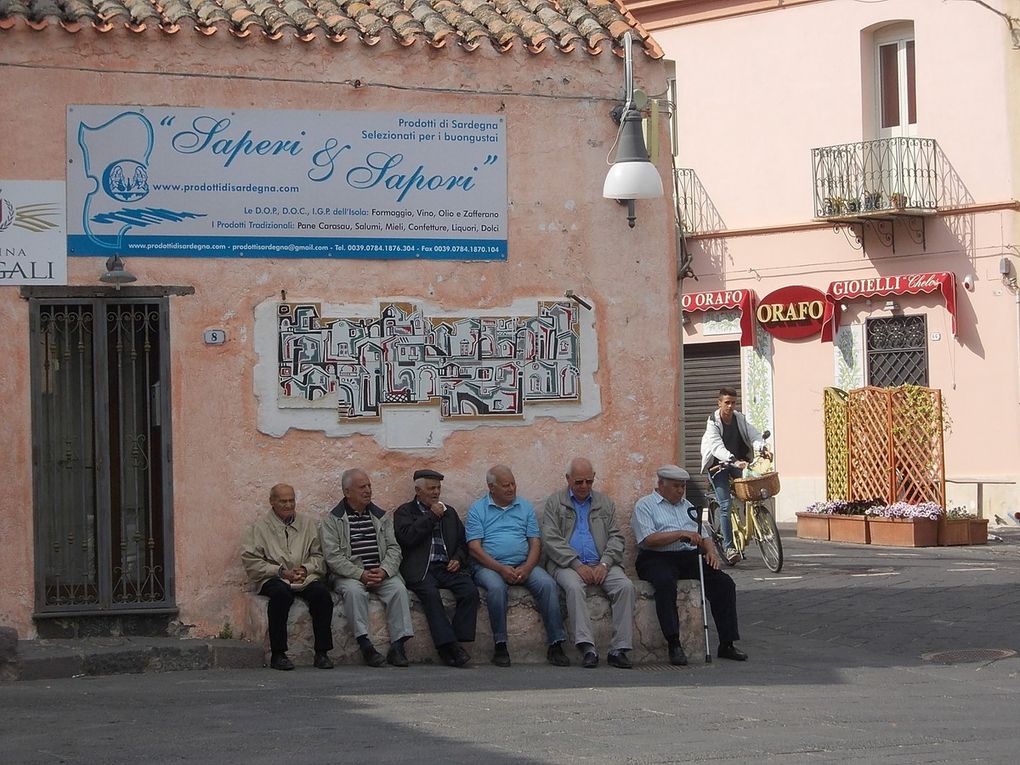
pixel 762 487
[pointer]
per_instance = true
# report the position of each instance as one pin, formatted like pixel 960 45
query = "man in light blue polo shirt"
pixel 504 541
pixel 669 541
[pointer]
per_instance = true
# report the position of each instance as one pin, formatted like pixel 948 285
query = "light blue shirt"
pixel 653 513
pixel 581 540
pixel 504 532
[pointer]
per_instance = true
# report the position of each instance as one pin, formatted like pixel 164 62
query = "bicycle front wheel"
pixel 767 536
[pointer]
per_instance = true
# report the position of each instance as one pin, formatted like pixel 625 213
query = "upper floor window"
pixel 895 86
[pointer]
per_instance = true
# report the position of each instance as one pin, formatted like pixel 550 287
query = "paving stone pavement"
pixel 836 675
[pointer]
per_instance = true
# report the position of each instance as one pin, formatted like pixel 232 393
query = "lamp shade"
pixel 632 175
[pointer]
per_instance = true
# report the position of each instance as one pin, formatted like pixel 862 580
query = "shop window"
pixel 897 351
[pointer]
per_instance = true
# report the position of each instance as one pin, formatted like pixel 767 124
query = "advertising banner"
pixel 33 246
pixel 168 181
pixel 882 286
pixel 719 300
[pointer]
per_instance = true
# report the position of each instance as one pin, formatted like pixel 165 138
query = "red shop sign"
pixel 723 299
pixel 792 313
pixel 881 286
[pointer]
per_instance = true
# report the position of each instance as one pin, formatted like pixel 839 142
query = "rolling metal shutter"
pixel 707 367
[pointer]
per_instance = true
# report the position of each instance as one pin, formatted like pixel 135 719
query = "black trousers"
pixel 320 606
pixel 664 568
pixel 465 593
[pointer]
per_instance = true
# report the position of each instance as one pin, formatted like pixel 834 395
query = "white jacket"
pixel 712 443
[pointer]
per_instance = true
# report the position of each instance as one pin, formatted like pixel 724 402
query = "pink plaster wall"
pixel 760 91
pixel 562 235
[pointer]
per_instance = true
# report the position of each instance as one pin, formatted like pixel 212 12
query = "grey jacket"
pixel 335 534
pixel 558 521
pixel 712 443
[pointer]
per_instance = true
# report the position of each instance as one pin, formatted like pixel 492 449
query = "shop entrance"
pixel 707 368
pixel 101 457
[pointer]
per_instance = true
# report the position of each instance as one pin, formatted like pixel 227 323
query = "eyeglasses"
pixel 584 481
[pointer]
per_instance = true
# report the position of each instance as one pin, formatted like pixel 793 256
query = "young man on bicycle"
pixel 726 449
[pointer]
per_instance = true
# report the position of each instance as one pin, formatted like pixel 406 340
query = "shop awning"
pixel 882 286
pixel 723 300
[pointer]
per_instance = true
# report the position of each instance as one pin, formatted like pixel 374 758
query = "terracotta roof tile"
pixel 536 24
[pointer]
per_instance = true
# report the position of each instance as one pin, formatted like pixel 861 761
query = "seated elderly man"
pixel 584 546
pixel 503 538
pixel 669 541
pixel 282 557
pixel 431 537
pixel 363 555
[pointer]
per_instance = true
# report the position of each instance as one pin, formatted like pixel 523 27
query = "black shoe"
pixel 396 655
pixel 619 660
pixel 730 651
pixel 677 657
pixel 371 656
pixel 501 656
pixel 590 660
pixel 279 660
pixel 555 655
pixel 322 660
pixel 453 655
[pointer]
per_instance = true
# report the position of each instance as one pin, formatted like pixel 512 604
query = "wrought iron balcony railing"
pixel 872 178
pixel 695 210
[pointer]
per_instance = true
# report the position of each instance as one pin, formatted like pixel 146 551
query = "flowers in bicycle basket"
pixel 843 506
pixel 905 510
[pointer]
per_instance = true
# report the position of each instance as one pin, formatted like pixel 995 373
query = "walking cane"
pixel 701 578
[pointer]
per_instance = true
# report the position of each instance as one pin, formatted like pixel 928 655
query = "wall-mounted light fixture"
pixel 116 274
pixel 632 175
pixel 892 306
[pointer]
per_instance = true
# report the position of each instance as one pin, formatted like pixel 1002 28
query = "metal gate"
pixel 101 455
pixel 707 367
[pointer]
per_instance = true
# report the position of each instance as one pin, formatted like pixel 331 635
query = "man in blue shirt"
pixel 503 539
pixel 669 541
pixel 584 546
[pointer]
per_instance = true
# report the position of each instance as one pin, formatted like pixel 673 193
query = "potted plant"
pixel 872 200
pixel 834 206
pixel 837 520
pixel 905 525
pixel 954 527
pixel 898 200
pixel 853 205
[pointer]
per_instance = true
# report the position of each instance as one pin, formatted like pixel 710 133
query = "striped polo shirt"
pixel 364 544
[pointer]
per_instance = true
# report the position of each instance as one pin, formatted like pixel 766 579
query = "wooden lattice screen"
pixel 894 438
pixel 837 478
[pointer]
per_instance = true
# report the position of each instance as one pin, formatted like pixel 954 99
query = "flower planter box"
pixel 954 531
pixel 903 532
pixel 978 531
pixel 813 526
pixel 849 528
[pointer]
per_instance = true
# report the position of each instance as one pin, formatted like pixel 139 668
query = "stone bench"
pixel 526 635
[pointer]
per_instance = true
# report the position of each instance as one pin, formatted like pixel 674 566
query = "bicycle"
pixel 749 517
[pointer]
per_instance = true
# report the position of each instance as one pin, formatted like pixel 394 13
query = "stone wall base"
pixel 524 626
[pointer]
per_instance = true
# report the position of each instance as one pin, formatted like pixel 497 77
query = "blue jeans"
pixel 721 484
pixel 543 589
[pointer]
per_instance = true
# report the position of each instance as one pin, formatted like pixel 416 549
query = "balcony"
pixel 884 178
pixel 695 211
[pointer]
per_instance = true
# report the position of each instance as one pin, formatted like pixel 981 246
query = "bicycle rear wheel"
pixel 767 536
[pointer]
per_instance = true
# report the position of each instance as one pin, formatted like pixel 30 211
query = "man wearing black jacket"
pixel 435 557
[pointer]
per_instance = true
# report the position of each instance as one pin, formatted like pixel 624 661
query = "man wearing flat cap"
pixel 669 541
pixel 435 557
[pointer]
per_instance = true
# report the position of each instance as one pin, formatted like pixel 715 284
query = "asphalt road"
pixel 837 674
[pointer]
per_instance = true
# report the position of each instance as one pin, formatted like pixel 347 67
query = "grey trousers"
pixel 391 592
pixel 620 591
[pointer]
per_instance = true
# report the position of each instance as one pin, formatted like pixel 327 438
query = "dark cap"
pixel 428 474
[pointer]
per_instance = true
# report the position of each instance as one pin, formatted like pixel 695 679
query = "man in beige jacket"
pixel 283 558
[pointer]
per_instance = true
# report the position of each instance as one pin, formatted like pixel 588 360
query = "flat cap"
pixel 426 473
pixel 673 473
